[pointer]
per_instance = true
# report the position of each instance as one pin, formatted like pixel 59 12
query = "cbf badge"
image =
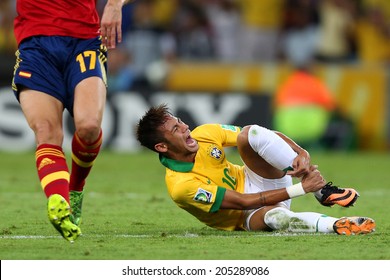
pixel 214 152
pixel 203 196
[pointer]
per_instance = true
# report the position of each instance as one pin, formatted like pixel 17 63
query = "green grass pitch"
pixel 127 215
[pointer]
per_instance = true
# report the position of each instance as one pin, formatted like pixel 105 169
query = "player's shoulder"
pixel 213 129
pixel 206 126
pixel 217 126
pixel 179 183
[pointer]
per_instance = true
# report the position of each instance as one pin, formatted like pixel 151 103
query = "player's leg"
pixel 88 75
pixel 258 144
pixel 255 183
pixel 44 115
pixel 261 149
pixel 254 220
pixel 90 96
pixel 39 89
pixel 263 158
pixel 280 218
pixel 38 86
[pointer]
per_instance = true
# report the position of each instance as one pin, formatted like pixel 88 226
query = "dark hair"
pixel 148 132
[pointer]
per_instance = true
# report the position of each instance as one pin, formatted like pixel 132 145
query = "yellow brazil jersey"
pixel 199 187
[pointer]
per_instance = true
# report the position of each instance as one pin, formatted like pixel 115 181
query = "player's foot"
pixel 354 225
pixel 59 211
pixel 331 195
pixel 76 203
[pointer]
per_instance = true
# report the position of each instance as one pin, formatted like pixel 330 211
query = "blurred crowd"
pixel 301 32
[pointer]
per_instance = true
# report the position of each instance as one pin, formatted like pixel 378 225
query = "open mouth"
pixel 191 142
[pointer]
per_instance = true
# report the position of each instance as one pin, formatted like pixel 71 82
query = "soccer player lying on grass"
pixel 256 196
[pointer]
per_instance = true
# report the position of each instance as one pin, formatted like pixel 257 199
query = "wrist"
pixel 295 190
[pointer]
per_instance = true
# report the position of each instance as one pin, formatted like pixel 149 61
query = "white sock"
pixel 280 218
pixel 325 224
pixel 271 147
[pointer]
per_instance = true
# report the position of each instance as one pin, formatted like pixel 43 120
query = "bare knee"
pixel 47 132
pixel 88 131
pixel 256 221
pixel 242 138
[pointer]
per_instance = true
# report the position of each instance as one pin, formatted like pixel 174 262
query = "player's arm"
pixel 311 182
pixel 239 201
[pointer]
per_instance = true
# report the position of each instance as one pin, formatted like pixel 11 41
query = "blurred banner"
pixel 229 94
pixel 362 93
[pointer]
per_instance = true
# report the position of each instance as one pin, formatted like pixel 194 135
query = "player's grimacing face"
pixel 178 136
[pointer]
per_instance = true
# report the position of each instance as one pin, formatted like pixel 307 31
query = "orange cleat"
pixel 354 225
pixel 331 195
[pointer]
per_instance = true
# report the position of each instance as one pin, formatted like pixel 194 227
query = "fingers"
pixel 298 173
pixel 302 172
pixel 301 166
pixel 313 167
pixel 316 173
pixel 111 23
pixel 119 32
pixel 111 33
pixel 313 181
pixel 103 33
pixel 112 38
pixel 109 37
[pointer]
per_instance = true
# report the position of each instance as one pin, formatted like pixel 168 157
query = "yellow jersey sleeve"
pixel 190 193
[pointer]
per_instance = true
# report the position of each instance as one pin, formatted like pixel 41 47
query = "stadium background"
pixel 202 84
pixel 117 225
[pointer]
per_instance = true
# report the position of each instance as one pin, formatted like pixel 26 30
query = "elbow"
pixel 239 203
pixel 243 203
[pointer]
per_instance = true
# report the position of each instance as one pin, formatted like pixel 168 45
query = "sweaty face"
pixel 181 146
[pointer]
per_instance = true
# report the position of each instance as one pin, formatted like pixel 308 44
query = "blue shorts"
pixel 56 64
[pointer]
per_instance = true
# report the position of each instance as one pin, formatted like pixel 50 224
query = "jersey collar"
pixel 175 165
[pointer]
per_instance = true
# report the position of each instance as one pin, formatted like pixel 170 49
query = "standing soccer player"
pixel 61 64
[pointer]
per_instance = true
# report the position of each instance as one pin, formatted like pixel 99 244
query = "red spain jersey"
pixel 74 18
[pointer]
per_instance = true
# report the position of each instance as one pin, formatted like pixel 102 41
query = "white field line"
pixel 186 235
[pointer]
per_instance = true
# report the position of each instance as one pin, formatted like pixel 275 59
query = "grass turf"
pixel 127 215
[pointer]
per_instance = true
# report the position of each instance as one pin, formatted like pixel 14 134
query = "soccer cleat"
pixel 354 225
pixel 59 212
pixel 331 195
pixel 76 203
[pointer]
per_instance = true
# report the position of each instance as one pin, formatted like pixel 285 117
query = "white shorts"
pixel 256 184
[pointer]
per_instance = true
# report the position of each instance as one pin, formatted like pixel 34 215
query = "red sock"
pixel 52 170
pixel 83 156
